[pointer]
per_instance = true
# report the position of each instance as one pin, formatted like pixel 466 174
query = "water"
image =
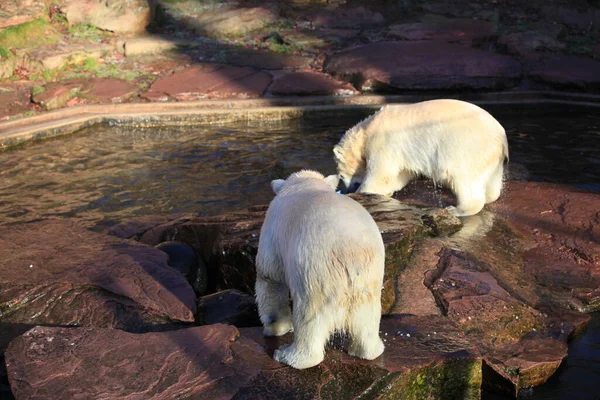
pixel 103 175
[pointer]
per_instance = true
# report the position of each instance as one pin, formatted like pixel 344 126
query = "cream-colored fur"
pixel 325 250
pixel 455 143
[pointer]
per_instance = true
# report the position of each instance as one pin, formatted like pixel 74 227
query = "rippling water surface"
pixel 104 174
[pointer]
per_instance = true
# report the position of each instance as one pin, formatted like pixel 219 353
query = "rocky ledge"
pixel 488 302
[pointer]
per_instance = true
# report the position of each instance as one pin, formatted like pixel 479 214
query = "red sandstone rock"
pixel 423 65
pixel 57 273
pixel 568 72
pixel 210 80
pixel 426 357
pixel 109 90
pixel 309 84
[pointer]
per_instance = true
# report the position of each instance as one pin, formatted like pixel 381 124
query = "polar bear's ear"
pixel 333 180
pixel 277 184
pixel 338 153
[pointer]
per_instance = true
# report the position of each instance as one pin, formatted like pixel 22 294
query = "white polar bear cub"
pixel 452 142
pixel 325 249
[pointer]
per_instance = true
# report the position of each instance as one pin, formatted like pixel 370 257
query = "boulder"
pixel 424 358
pixel 120 16
pixel 224 21
pixel 56 273
pixel 16 12
pixel 423 65
pixel 229 242
pixel 209 80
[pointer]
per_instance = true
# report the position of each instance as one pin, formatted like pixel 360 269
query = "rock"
pixel 567 72
pixel 209 80
pixel 229 242
pixel 512 336
pixel 576 20
pixel 424 358
pixel 223 22
pixel 57 273
pixel 344 18
pixel 562 226
pixel 65 54
pixel 57 94
pixel 309 84
pixel 524 43
pixel 318 39
pixel 451 30
pixel 228 307
pixel 16 12
pixel 183 258
pixel 422 65
pixel 120 16
pixel 108 90
pixel 201 362
pixel 14 102
pixel 262 59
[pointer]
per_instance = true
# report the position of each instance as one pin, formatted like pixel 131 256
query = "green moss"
pixel 31 34
pixel 450 379
pixel 5 53
pixel 87 33
pixel 37 90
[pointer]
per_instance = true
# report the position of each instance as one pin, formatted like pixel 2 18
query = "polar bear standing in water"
pixel 452 142
pixel 326 250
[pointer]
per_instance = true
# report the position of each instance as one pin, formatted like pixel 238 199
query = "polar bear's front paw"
pixel 368 351
pixel 288 354
pixel 279 328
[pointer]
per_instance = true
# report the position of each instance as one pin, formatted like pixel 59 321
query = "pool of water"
pixel 103 174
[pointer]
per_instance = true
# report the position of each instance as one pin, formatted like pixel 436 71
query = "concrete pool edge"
pixel 69 120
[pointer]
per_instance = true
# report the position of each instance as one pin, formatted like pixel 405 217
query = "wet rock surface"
pixel 57 273
pixel 487 303
pixel 228 307
pixel 229 242
pixel 423 358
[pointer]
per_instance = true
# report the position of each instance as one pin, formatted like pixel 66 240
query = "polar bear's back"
pixel 432 133
pixel 327 239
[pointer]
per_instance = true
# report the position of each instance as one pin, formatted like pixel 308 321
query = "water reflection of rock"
pixel 489 304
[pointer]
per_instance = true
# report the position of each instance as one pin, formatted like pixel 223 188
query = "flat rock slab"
pixel 567 72
pixel 309 84
pixel 451 30
pixel 14 102
pixel 58 273
pixel 229 242
pixel 423 65
pixel 263 59
pixel 16 12
pixel 57 94
pixel 108 90
pixel 209 80
pixel 228 307
pixel 424 358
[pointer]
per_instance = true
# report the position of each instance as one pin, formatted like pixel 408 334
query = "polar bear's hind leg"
pixel 470 196
pixel 311 333
pixel 363 327
pixel 273 300
pixel 494 184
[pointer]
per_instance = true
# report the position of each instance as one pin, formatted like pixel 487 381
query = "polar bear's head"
pixel 302 176
pixel 351 168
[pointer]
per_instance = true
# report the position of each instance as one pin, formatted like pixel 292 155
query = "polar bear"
pixel 455 143
pixel 325 250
